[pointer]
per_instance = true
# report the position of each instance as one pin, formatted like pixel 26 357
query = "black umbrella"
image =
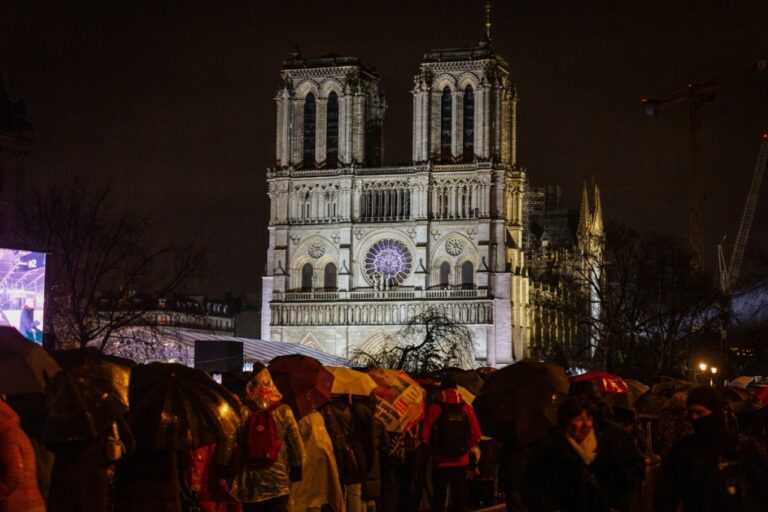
pixel 519 402
pixel 24 366
pixel 471 380
pixel 177 407
pixel 75 357
pixel 85 399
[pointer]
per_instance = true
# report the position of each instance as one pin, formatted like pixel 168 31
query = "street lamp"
pixel 703 367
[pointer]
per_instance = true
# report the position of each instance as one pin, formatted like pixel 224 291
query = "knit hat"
pixel 707 396
pixel 448 382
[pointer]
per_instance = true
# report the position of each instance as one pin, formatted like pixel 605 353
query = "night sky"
pixel 173 101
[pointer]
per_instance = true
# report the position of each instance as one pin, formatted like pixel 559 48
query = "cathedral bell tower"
pixel 329 113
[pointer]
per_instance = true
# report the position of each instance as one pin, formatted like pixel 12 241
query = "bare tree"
pixel 653 303
pixel 101 262
pixel 430 341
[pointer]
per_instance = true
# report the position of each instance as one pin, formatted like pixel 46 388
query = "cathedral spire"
pixel 584 217
pixel 488 21
pixel 596 228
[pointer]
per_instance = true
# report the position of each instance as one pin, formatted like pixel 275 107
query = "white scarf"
pixel 587 449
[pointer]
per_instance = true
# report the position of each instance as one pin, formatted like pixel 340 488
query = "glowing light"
pixel 703 367
pixel 713 369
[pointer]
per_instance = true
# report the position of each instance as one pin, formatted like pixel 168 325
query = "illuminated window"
pixel 330 276
pixel 332 131
pixel 446 122
pixel 445 274
pixel 467 275
pixel 469 124
pixel 306 277
pixel 309 130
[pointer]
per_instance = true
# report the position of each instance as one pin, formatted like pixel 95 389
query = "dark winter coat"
pixel 726 473
pixel 148 481
pixel 344 430
pixel 619 466
pixel 372 484
pixel 18 476
pixel 79 481
pixel 558 479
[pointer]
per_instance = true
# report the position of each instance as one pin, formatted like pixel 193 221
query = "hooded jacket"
pixel 254 485
pixel 18 475
pixel 450 396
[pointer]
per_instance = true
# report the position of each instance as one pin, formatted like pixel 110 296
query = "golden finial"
pixel 488 21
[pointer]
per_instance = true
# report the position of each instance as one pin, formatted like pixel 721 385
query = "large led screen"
pixel 22 291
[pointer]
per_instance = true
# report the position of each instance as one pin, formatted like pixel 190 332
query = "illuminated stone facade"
pixel 357 248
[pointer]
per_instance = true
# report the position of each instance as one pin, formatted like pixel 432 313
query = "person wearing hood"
pixel 558 476
pixel 713 469
pixel 263 481
pixel 452 433
pixel 18 475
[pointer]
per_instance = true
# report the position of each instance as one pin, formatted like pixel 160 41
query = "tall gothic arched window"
pixel 332 131
pixel 306 277
pixel 446 124
pixel 310 115
pixel 467 275
pixel 469 124
pixel 445 274
pixel 329 276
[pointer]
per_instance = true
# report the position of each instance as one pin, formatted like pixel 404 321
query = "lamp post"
pixel 713 371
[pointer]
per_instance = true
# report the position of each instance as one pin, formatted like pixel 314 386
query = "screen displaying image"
pixel 22 291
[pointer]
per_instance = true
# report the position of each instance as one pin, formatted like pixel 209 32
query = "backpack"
pixel 450 432
pixel 262 440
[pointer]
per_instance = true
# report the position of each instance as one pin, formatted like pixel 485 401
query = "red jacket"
pixel 451 396
pixel 18 478
pixel 203 479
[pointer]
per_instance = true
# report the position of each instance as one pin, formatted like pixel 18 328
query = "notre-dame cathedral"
pixel 357 248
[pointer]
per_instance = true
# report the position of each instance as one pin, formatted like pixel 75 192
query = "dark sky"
pixel 173 101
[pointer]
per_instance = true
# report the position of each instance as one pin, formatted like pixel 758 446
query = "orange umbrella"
pixel 401 401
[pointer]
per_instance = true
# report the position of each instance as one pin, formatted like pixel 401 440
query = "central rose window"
pixel 388 263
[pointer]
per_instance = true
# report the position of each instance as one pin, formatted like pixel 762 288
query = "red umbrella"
pixel 761 394
pixel 605 382
pixel 303 381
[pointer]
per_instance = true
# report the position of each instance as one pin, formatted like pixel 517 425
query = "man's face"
pixel 579 427
pixel 696 411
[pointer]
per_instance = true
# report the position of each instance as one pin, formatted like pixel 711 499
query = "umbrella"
pixel 761 393
pixel 741 400
pixel 347 381
pixel 605 382
pixel 75 357
pixel 466 395
pixel 469 379
pixel 401 401
pixel 519 402
pixel 653 401
pixel 177 407
pixel 303 381
pixel 24 366
pixel 85 399
pixel 635 389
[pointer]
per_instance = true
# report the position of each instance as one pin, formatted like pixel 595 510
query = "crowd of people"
pixel 340 457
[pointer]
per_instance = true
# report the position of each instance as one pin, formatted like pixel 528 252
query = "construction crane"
pixel 729 273
pixel 697 95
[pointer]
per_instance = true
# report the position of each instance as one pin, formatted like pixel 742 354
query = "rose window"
pixel 454 246
pixel 388 262
pixel 316 249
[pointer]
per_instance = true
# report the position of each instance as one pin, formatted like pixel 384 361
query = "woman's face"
pixel 579 427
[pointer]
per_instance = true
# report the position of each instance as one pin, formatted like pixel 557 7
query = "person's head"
pixel 704 401
pixel 448 382
pixel 574 417
pixel 705 410
pixel 29 303
pixel 261 390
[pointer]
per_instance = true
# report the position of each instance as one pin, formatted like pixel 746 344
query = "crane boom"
pixel 696 95
pixel 737 256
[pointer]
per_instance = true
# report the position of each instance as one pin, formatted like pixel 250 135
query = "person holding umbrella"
pixel 271 449
pixel 18 477
pixel 558 476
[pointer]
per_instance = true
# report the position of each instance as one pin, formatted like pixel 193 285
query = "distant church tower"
pixel 356 249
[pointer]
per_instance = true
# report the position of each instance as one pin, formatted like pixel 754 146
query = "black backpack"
pixel 450 432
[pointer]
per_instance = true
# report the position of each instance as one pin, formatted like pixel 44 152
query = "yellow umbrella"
pixel 401 400
pixel 465 394
pixel 347 381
